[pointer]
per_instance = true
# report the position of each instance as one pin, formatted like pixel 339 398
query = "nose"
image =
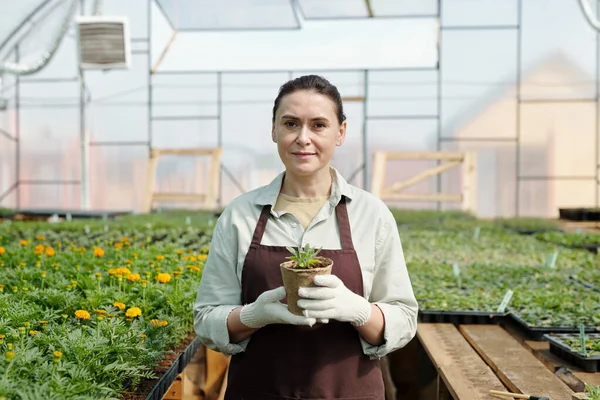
pixel 303 137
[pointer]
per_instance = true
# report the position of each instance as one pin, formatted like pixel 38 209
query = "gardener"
pixel 364 310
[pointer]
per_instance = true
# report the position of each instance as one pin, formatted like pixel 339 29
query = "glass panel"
pixel 119 86
pixel 404 136
pixel 108 124
pixel 478 92
pixel 383 8
pixel 8 158
pixel 348 157
pixel 135 11
pixel 184 134
pixel 402 93
pixel 185 95
pixel 544 198
pixel 118 177
pixel 558 139
pixel 479 12
pixel 315 9
pixel 227 14
pixel 49 94
pixel 559 58
pixel 496 177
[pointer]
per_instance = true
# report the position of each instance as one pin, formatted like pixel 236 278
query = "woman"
pixel 363 311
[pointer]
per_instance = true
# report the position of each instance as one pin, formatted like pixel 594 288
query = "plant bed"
pixel 580 214
pixel 568 347
pixel 537 332
pixel 582 241
pixel 461 317
pixel 529 226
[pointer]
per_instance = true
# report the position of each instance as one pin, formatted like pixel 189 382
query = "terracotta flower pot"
pixel 295 278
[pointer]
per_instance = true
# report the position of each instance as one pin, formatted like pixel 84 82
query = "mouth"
pixel 303 153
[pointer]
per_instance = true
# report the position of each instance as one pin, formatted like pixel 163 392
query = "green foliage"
pixel 304 257
pixel 593 392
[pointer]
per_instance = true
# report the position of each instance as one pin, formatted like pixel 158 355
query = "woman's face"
pixel 306 130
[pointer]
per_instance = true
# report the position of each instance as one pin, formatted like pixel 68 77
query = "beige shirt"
pixel 375 238
pixel 304 209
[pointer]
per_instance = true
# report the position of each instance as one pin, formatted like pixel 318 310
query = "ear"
pixel 341 135
pixel 273 136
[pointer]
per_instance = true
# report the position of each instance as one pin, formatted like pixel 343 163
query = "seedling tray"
pixel 588 364
pixel 532 231
pixel 461 317
pixel 164 383
pixel 538 332
pixel 579 214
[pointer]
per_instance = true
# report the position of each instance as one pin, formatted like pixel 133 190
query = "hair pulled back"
pixel 316 84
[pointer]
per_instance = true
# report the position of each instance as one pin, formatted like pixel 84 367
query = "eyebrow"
pixel 289 116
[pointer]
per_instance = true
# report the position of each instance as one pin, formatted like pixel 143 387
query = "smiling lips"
pixel 303 154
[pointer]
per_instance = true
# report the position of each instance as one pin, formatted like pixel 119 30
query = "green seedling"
pixel 305 257
pixel 593 392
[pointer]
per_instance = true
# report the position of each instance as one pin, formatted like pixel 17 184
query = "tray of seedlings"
pixel 581 350
pixel 529 226
pixel 573 240
pixel 580 214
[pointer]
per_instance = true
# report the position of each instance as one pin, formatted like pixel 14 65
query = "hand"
pixel 331 299
pixel 268 310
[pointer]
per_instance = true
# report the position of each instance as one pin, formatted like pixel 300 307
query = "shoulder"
pixel 241 208
pixel 368 206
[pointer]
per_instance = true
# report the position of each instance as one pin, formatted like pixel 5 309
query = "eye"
pixel 289 124
pixel 320 125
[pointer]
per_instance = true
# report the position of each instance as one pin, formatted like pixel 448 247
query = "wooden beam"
pixel 378 177
pixel 163 53
pixel 425 156
pixel 421 197
pixel 175 197
pixel 465 374
pixel 369 8
pixel 518 369
pixel 422 176
pixel 353 98
pixel 185 152
pixel 469 186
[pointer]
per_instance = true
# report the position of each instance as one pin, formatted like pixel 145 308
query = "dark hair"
pixel 312 83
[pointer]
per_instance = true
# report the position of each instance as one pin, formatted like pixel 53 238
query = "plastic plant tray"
pixel 461 317
pixel 562 350
pixel 538 332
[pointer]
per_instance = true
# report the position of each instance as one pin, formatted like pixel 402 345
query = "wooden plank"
pixel 378 177
pixel 591 378
pixel 421 197
pixel 469 186
pixel 353 98
pixel 518 369
pixel 421 176
pixel 185 152
pixel 465 374
pixel 184 197
pixel 425 156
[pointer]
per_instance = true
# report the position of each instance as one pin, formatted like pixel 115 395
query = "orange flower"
pixel 2 250
pixel 23 242
pixel 82 314
pixel 98 252
pixel 50 252
pixel 163 278
pixel 133 312
pixel 133 277
pixel 120 306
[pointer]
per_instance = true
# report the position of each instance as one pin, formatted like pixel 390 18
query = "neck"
pixel 316 185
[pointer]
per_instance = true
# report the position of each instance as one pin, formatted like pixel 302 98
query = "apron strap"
pixel 260 227
pixel 341 212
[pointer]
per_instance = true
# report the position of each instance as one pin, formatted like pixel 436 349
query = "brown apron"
pixel 283 361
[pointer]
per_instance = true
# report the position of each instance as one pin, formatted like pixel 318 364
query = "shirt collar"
pixel 340 187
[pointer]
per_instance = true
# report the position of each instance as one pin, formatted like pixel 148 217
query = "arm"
pixel 392 294
pixel 219 292
pixel 238 332
pixel 372 331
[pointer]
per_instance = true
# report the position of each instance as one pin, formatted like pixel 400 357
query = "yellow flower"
pixel 40 237
pixel 179 252
pixel 9 355
pixel 33 332
pixel 128 262
pixel 158 323
pixel 2 250
pixel 193 268
pixel 82 314
pixel 133 312
pixel 118 245
pixel 100 312
pixel 23 242
pixel 50 252
pixel 57 354
pixel 43 273
pixel 163 278
pixel 133 277
pixel 177 273
pixel 160 258
pixel 202 257
pixel 120 306
pixel 98 252
pixel 119 271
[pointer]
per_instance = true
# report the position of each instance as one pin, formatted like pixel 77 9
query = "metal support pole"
pixel 84 137
pixel 149 67
pixel 597 142
pixel 439 98
pixel 220 131
pixel 365 150
pixel 18 130
pixel 518 106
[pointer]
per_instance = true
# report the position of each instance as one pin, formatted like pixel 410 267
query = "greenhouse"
pixel 299 199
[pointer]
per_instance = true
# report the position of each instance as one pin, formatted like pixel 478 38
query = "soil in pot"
pixel 295 278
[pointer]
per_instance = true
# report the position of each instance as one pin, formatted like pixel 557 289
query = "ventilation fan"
pixel 103 42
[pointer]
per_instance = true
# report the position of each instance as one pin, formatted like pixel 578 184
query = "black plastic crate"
pixel 588 364
pixel 461 317
pixel 188 353
pixel 538 332
pixel 158 391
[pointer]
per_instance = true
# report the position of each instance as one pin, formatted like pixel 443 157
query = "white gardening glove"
pixel 331 299
pixel 268 310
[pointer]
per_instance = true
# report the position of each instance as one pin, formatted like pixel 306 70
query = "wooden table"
pixel 471 360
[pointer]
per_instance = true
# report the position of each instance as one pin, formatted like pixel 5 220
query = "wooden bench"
pixel 471 360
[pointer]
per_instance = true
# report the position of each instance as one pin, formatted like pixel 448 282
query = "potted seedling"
pixel 300 270
pixel 591 393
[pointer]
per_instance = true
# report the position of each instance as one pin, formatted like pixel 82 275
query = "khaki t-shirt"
pixel 304 209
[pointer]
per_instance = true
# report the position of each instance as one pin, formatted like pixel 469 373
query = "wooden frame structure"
pixel 468 160
pixel 207 199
